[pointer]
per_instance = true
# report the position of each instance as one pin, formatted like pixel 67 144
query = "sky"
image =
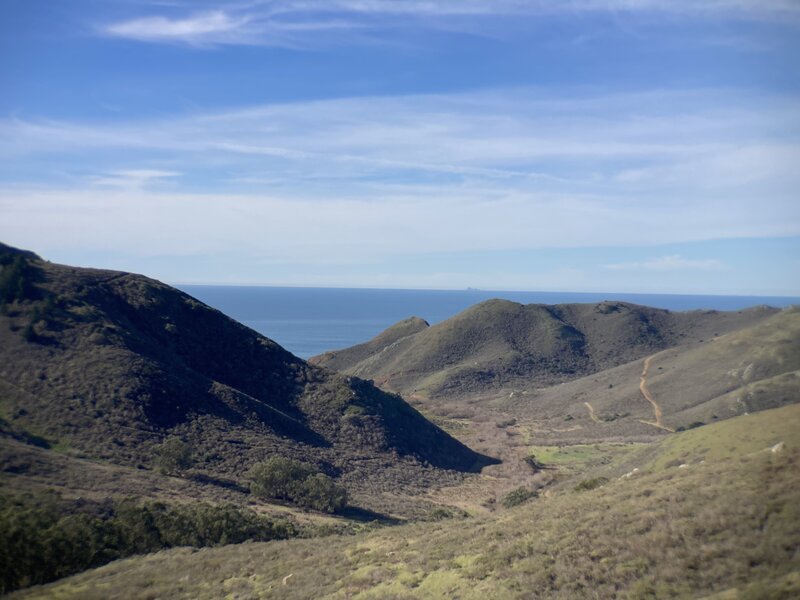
pixel 548 145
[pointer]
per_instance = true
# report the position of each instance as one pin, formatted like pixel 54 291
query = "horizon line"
pixel 470 289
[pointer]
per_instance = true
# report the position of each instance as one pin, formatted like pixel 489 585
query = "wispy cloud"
pixel 674 262
pixel 640 144
pixel 196 28
pixel 131 179
pixel 225 26
pixel 397 176
pixel 338 230
pixel 296 23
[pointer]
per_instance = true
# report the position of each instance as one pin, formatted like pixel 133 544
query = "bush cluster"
pixel 15 280
pixel 517 497
pixel 46 538
pixel 590 484
pixel 296 482
pixel 174 456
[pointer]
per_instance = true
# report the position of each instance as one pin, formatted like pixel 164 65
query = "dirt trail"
pixel 592 416
pixel 646 393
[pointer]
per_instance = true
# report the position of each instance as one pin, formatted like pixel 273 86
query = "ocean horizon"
pixel 308 321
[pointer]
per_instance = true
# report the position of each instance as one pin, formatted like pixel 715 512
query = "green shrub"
pixel 286 479
pixel 693 425
pixel 15 279
pixel 517 497
pixel 440 513
pixel 591 484
pixel 279 477
pixel 45 538
pixel 174 456
pixel 320 492
pixel 534 463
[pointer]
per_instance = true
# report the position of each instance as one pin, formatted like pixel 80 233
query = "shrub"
pixel 591 484
pixel 517 497
pixel 441 513
pixel 693 425
pixel 286 479
pixel 321 493
pixel 15 279
pixel 46 538
pixel 174 456
pixel 279 477
pixel 534 463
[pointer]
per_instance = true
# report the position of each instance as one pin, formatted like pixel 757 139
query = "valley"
pixel 399 300
pixel 553 448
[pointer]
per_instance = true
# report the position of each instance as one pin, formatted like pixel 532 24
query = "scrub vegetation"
pixel 726 526
pixel 284 479
pixel 47 537
pixel 151 447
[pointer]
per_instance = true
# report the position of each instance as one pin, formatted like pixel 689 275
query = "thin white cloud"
pixel 341 229
pixel 631 143
pixel 724 8
pixel 193 29
pixel 673 262
pixel 132 179
pixel 299 23
pixel 397 176
pixel 225 27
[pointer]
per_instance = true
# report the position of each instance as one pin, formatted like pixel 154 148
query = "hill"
pixel 500 344
pixel 744 371
pixel 708 513
pixel 108 365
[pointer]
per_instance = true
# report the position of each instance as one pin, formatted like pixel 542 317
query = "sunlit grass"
pixel 581 457
pixel 728 526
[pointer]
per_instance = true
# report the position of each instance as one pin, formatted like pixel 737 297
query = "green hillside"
pixel 645 454
pixel 499 344
pixel 709 513
pixel 745 371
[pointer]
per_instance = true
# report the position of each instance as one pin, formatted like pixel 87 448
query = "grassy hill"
pixel 108 365
pixel 596 495
pixel 747 370
pixel 708 513
pixel 499 344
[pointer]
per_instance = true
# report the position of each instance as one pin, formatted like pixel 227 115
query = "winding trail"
pixel 592 416
pixel 647 396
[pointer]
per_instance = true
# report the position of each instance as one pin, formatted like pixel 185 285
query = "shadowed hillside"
pixel 107 365
pixel 498 344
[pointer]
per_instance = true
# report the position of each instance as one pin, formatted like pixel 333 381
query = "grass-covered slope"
pixel 497 344
pixel 744 371
pixel 341 360
pixel 107 365
pixel 710 513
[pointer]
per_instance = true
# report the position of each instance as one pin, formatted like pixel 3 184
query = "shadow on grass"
pixel 364 515
pixel 228 484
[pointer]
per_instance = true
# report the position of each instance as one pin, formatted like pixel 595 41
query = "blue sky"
pixel 578 145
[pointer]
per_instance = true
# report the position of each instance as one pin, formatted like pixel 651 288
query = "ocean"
pixel 310 321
